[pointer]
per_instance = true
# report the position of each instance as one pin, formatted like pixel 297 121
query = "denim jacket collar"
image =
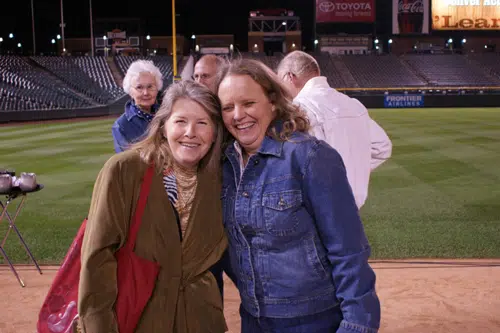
pixel 269 146
pixel 131 109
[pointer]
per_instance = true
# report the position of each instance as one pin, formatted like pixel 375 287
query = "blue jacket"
pixel 129 127
pixel 296 242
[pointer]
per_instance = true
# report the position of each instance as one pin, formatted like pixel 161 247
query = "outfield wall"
pixel 431 100
pixel 370 101
pixel 116 108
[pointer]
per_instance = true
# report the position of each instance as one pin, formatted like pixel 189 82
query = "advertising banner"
pixel 410 17
pixel 404 101
pixel 466 14
pixel 333 11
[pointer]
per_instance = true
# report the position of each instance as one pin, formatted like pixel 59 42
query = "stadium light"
pixel 19 45
pixel 148 37
pixel 464 41
pixel 450 41
pixel 11 35
pixel 390 41
pixel 376 47
pixel 53 41
pixel 376 41
pixel 193 37
pixel 58 36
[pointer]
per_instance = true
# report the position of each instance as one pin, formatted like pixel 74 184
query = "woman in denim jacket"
pixel 297 248
pixel 142 82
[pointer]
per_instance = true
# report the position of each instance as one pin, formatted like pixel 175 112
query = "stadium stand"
pixel 489 62
pixel 449 70
pixel 43 83
pixel 164 63
pixel 270 61
pixel 22 82
pixel 328 69
pixel 98 70
pixel 374 71
pixel 70 73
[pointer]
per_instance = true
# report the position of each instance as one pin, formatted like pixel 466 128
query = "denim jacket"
pixel 296 242
pixel 129 127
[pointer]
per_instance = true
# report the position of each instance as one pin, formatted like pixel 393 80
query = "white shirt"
pixel 344 123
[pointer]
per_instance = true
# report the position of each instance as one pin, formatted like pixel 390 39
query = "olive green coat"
pixel 186 298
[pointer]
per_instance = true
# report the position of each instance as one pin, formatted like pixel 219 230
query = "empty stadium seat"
pixel 377 71
pixel 449 70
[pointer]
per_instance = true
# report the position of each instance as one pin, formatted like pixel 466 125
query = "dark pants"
pixel 324 322
pixel 223 265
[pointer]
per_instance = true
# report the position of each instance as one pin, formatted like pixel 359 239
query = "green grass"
pixel 438 196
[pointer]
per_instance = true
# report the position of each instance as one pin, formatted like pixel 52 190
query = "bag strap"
pixel 141 204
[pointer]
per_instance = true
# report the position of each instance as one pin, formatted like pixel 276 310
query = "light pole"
pixel 33 26
pixel 105 45
pixel 91 29
pixel 62 25
pixel 174 42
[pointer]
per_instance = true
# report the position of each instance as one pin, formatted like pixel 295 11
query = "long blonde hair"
pixel 154 148
pixel 292 117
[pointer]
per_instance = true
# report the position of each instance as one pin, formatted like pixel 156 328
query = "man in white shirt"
pixel 205 70
pixel 339 120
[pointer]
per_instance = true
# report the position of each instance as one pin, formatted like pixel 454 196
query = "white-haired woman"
pixel 142 82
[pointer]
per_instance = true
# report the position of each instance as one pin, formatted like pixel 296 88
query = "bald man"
pixel 341 121
pixel 205 70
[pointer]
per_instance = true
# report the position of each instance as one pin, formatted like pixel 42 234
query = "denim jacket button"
pixel 245 194
pixel 256 162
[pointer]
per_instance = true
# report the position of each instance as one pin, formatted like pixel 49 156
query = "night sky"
pixel 196 16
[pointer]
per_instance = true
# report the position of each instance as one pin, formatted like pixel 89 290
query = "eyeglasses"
pixel 150 88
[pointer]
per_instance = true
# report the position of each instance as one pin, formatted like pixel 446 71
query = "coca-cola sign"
pixel 410 17
pixel 416 6
pixel 345 11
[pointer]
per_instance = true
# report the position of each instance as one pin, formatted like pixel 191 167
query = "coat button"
pixel 256 162
pixel 245 194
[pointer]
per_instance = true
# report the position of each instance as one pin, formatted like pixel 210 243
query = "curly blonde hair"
pixel 292 117
pixel 154 148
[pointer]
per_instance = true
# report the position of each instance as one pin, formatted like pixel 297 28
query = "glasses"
pixel 147 88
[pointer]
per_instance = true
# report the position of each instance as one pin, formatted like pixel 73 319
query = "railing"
pixel 421 88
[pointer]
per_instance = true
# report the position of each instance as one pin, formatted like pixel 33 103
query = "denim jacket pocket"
pixel 314 258
pixel 279 211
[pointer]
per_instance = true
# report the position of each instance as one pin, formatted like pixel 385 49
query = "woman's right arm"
pixel 106 230
pixel 119 140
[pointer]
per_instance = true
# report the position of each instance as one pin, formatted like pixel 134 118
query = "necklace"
pixel 187 182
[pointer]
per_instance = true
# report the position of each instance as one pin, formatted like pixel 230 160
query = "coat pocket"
pixel 279 211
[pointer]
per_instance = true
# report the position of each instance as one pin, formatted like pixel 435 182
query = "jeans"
pixel 324 322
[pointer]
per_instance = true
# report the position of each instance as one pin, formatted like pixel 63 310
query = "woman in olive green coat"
pixel 181 227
